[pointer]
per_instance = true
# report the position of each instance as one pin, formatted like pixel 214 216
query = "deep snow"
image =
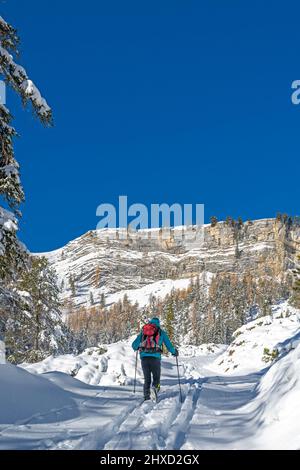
pixel 86 402
pixel 275 332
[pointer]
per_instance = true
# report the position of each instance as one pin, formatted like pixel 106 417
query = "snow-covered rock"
pixel 111 364
pixel 262 341
pixel 209 349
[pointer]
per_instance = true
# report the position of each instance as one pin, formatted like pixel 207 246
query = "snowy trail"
pixel 217 411
pixel 218 420
pixel 113 417
pixel 207 418
pixel 142 426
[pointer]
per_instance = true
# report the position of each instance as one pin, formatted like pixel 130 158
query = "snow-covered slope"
pixel 259 342
pixel 159 289
pixel 278 397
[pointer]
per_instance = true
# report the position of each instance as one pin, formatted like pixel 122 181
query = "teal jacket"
pixel 163 339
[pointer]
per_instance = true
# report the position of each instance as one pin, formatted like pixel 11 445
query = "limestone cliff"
pixel 95 265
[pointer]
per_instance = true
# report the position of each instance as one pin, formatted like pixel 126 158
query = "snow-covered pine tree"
pixel 42 330
pixel 296 286
pixel 199 317
pixel 169 319
pixel 213 221
pixel 13 255
pixel 102 301
pixel 97 277
pixel 195 324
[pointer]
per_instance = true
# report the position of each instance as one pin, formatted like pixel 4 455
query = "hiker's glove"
pixel 175 354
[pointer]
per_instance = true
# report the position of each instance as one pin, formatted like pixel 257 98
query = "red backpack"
pixel 150 338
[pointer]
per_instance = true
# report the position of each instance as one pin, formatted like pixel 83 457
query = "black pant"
pixel 150 365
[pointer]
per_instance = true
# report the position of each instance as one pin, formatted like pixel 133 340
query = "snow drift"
pixel 279 391
pixel 23 395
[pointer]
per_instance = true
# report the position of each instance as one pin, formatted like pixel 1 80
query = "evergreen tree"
pixel 13 255
pixel 42 331
pixel 195 324
pixel 213 221
pixel 296 287
pixel 102 301
pixel 169 320
pixel 240 222
pixel 97 277
pixel 228 220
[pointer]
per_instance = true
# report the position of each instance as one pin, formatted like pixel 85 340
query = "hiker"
pixel 149 342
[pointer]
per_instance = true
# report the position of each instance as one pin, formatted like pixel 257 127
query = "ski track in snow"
pixel 148 425
pixel 125 422
pixel 216 421
pixel 205 419
pixel 247 409
pixel 207 416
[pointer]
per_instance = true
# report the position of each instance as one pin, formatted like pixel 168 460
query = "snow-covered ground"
pixel 255 342
pixel 87 401
pixel 159 289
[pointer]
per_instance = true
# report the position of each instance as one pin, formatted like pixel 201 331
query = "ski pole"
pixel 178 379
pixel 136 358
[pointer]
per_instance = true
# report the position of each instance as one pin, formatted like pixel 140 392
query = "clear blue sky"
pixel 165 101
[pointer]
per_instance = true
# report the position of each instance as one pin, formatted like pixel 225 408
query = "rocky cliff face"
pixel 95 266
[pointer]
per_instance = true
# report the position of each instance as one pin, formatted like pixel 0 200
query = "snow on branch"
pixel 15 75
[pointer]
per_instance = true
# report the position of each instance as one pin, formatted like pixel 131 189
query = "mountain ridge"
pixel 95 266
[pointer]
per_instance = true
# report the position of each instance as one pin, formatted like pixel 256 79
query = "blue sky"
pixel 164 101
